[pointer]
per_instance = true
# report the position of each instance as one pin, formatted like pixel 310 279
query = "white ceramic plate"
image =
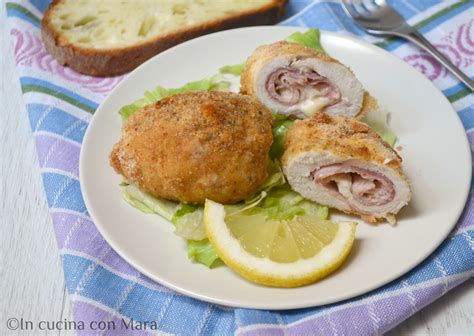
pixel 435 152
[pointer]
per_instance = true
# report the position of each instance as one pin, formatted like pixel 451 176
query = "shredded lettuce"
pixel 378 121
pixel 235 69
pixel 282 203
pixel 312 208
pixel 276 199
pixel 214 83
pixel 149 204
pixel 186 217
pixel 311 39
pixel 248 204
pixel 189 225
pixel 202 252
pixel 182 211
pixel 275 178
pixel 188 222
pixel 280 128
pixel 136 203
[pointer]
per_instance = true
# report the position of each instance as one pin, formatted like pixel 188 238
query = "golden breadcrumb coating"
pixel 265 53
pixel 341 136
pixel 345 137
pixel 196 146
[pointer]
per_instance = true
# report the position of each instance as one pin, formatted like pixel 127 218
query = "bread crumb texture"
pixel 196 146
pixel 345 137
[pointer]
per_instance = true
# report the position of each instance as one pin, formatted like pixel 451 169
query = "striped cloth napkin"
pixel 103 287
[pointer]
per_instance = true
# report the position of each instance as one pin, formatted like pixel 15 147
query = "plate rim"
pixel 202 297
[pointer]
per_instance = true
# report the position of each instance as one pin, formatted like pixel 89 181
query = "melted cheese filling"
pixel 313 105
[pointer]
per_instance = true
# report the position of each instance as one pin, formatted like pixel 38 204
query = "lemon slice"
pixel 278 253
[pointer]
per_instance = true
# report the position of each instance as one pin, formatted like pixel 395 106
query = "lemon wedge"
pixel 279 253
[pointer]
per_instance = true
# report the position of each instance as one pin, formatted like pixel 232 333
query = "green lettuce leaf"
pixel 378 121
pixel 182 211
pixel 276 199
pixel 235 69
pixel 202 252
pixel 187 219
pixel 188 222
pixel 214 83
pixel 275 178
pixel 312 208
pixel 136 203
pixel 280 128
pixel 147 203
pixel 282 203
pixel 311 39
pixel 189 225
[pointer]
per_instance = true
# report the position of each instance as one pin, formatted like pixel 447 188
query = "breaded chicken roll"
pixel 196 146
pixel 291 79
pixel 341 163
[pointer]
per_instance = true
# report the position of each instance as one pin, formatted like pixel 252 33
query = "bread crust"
pixel 263 54
pixel 116 61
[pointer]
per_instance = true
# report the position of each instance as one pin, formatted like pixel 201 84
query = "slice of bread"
pixel 111 37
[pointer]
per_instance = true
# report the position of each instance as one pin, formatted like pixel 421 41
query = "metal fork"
pixel 377 17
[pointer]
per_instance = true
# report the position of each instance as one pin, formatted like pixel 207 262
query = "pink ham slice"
pixel 287 84
pixel 368 188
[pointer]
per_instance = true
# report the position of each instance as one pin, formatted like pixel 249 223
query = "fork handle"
pixel 415 37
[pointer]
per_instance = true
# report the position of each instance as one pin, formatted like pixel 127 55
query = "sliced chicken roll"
pixel 341 163
pixel 291 79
